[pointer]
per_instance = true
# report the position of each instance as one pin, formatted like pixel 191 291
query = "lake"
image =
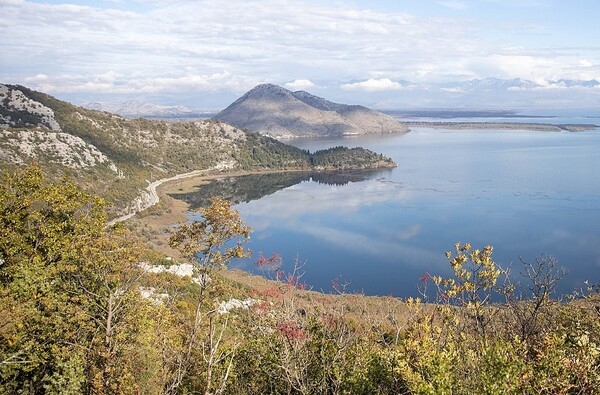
pixel 525 193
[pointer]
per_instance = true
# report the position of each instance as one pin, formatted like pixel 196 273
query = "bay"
pixel 523 192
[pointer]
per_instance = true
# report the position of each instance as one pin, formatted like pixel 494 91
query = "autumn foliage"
pixel 78 315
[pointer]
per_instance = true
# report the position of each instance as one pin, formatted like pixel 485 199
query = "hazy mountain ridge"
pixel 134 109
pixel 497 85
pixel 278 112
pixel 472 94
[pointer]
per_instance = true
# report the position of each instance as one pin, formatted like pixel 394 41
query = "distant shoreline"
pixel 538 127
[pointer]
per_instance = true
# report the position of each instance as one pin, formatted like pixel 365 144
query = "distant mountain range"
pixel 278 112
pixel 497 84
pixel 134 109
pixel 475 94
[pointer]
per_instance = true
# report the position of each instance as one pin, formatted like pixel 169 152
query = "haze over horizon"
pixel 388 54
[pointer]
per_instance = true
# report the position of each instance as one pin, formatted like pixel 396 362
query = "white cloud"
pixel 373 85
pixel 454 4
pixel 299 84
pixel 119 84
pixel 37 78
pixel 202 47
pixel 533 68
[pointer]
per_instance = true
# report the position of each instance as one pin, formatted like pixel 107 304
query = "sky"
pixel 383 54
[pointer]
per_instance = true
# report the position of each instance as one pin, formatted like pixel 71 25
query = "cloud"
pixel 202 47
pixel 372 245
pixel 260 40
pixel 299 84
pixel 373 85
pixel 118 83
pixel 454 4
pixel 410 232
pixel 528 67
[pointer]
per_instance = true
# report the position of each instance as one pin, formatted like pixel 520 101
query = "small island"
pixel 344 158
pixel 262 153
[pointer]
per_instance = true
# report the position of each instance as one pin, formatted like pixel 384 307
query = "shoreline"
pixel 538 127
pixel 183 183
pixel 173 211
pixel 153 198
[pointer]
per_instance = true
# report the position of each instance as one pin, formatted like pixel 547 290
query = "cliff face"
pixel 278 112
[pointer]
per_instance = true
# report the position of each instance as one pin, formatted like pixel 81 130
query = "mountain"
pixel 492 84
pixel 117 158
pixel 576 83
pixel 278 112
pixel 134 109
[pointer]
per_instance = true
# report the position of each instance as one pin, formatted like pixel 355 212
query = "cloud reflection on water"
pixel 385 231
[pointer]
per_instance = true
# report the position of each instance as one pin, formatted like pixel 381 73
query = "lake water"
pixel 523 192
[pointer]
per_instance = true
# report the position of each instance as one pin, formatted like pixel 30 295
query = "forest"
pixel 81 314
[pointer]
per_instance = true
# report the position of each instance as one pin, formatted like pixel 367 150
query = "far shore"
pixel 538 127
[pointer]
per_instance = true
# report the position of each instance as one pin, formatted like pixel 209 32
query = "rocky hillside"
pixel 278 112
pixel 118 158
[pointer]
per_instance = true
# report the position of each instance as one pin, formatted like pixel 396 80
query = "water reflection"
pixel 525 193
pixel 256 186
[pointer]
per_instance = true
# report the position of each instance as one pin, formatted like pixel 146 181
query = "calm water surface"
pixel 525 193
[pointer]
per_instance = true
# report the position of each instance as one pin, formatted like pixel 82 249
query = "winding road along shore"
pixel 153 194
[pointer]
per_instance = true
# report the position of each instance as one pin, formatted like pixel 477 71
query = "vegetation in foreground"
pixel 80 315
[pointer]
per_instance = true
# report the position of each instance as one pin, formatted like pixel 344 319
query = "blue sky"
pixel 385 54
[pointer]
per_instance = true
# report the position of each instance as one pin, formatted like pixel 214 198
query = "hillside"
pixel 90 309
pixel 278 112
pixel 117 158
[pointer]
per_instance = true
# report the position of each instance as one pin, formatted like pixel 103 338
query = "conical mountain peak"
pixel 276 111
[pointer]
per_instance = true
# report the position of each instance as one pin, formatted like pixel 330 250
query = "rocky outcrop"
pixel 17 110
pixel 278 112
pixel 22 146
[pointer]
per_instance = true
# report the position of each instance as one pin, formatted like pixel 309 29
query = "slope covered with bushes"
pixel 82 314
